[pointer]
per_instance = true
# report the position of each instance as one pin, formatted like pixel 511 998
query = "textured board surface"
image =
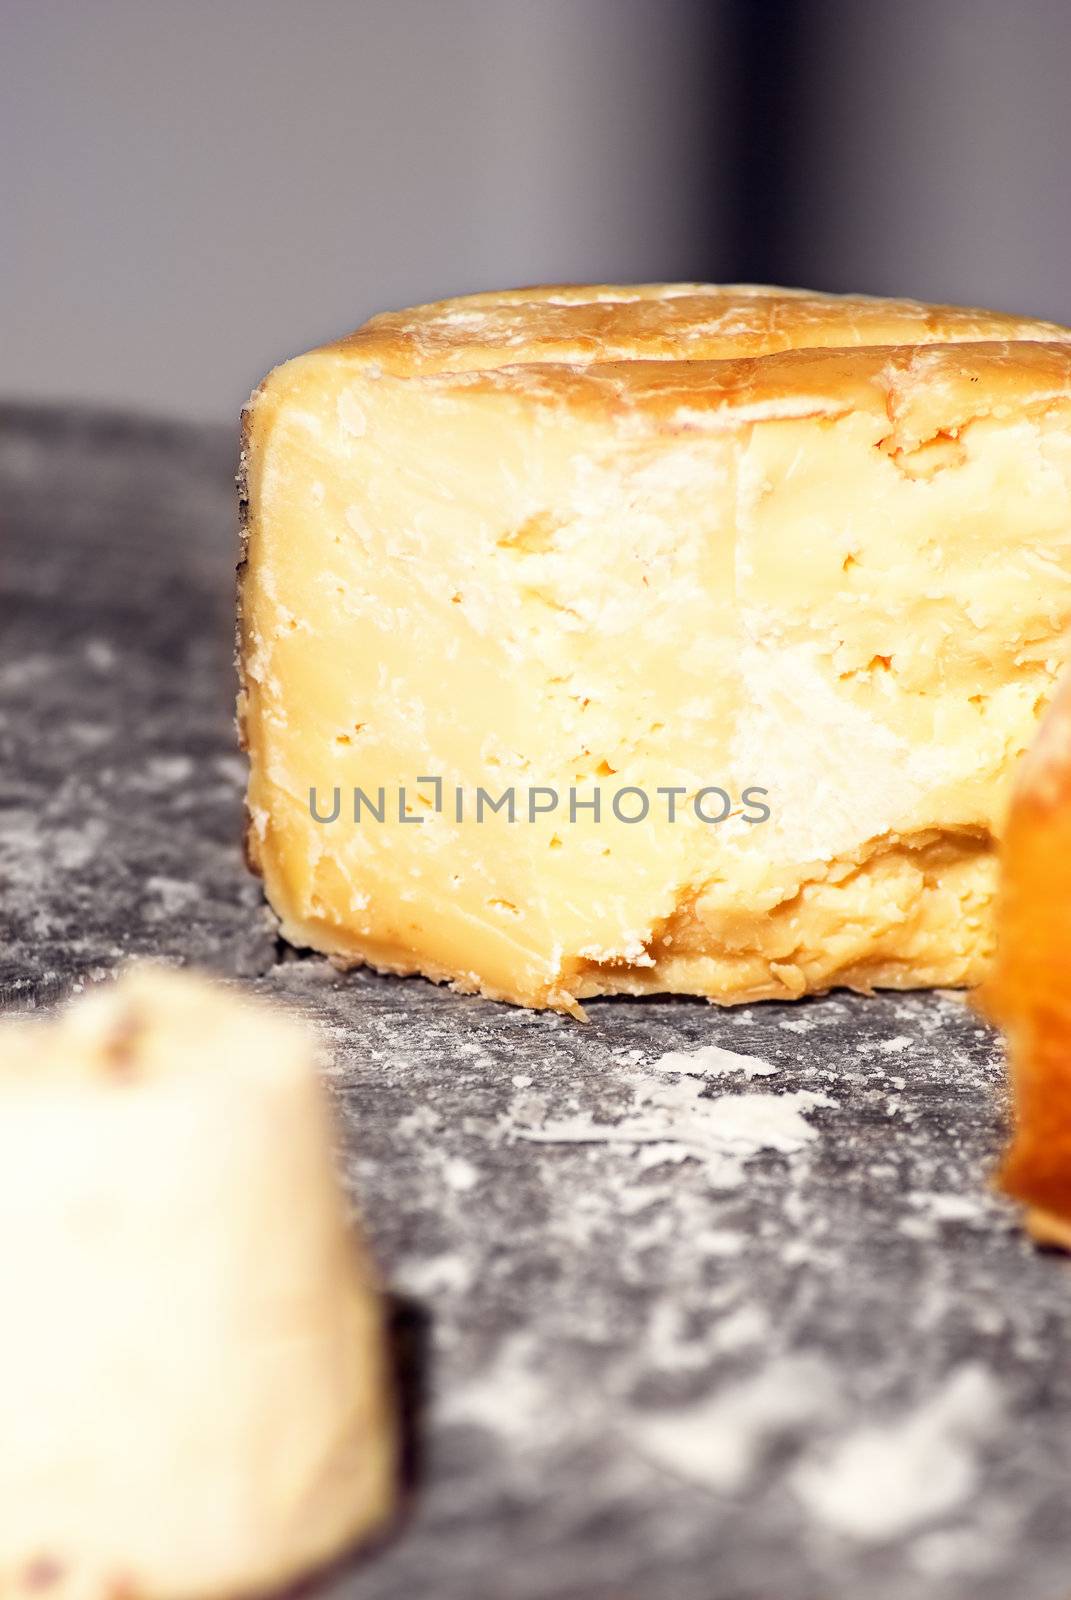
pixel 642 1357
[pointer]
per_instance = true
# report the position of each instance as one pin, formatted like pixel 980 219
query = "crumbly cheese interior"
pixel 840 575
pixel 193 1397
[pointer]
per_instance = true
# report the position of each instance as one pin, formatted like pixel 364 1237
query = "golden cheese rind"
pixel 575 325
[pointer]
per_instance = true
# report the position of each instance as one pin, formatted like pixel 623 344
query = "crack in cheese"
pixel 653 537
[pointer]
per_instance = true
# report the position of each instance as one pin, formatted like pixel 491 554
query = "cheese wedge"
pixel 193 1386
pixel 777 581
pixel 1028 990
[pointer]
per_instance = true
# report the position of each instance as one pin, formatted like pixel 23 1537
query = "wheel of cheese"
pixel 193 1385
pixel 655 638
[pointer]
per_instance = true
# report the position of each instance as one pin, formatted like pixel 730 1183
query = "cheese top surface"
pixel 705 356
pixel 578 326
pixel 656 536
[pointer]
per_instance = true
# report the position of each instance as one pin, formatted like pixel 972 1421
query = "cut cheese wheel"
pixel 666 638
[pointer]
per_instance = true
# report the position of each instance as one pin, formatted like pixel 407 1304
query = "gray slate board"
pixel 846 1375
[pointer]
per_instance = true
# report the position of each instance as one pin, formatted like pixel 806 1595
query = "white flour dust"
pixel 718 1443
pixel 671 1114
pixel 885 1480
pixel 712 1061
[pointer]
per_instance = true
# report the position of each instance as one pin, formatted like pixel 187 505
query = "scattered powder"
pixel 25 671
pixel 655 1155
pixel 950 1207
pixel 718 1443
pixel 510 1397
pixel 460 1174
pixel 633 1200
pixel 434 1276
pixel 720 1242
pixel 934 1209
pixel 712 1061
pixel 100 655
pixel 953 1552
pixel 172 769
pixel 671 1343
pixel 722 1131
pixel 527 1109
pixel 743 1327
pixel 421 1121
pixel 885 1480
pixel 90 735
pixel 173 897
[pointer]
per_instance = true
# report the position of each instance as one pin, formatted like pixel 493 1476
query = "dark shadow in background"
pixel 919 149
pixel 771 88
pixel 763 83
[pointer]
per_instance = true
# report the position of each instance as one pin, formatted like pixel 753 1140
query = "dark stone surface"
pixel 843 1375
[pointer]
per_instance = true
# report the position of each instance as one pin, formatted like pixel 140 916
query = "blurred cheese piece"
pixel 650 539
pixel 193 1398
pixel 1029 989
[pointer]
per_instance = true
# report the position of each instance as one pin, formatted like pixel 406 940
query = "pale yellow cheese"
pixel 194 1398
pixel 670 537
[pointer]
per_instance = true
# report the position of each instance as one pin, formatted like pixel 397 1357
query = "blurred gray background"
pixel 195 190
